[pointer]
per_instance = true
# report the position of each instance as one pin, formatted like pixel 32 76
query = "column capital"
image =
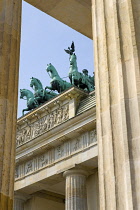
pixel 19 200
pixel 21 196
pixel 78 172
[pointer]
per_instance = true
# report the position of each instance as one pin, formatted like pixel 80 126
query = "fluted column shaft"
pixel 19 202
pixel 116 29
pixel 76 195
pixel 10 25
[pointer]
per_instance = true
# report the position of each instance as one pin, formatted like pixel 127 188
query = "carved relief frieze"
pixel 65 115
pixel 43 160
pixel 59 151
pixel 23 136
pixel 93 136
pixel 86 139
pixel 42 125
pixel 29 167
pixel 16 172
pixel 51 156
pixel 77 144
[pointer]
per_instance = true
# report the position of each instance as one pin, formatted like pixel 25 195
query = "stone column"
pixel 116 29
pixel 19 201
pixel 76 195
pixel 10 24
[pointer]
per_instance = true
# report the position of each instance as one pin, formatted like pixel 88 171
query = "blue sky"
pixel 43 40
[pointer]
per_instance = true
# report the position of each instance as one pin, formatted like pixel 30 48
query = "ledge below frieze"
pixel 53 155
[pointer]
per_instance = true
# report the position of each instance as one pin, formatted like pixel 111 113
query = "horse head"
pixel 34 82
pixel 31 101
pixel 23 92
pixel 31 81
pixel 72 59
pixel 26 93
pixel 52 71
pixel 49 67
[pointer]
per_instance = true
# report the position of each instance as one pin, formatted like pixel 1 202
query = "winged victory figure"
pixel 71 49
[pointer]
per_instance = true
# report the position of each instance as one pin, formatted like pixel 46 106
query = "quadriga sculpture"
pixel 56 82
pixel 40 94
pixel 31 101
pixel 83 81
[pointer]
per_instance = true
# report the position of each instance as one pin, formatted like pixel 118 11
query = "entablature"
pixel 48 120
pixel 44 150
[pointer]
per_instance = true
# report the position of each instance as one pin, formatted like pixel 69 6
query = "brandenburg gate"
pixel 114 25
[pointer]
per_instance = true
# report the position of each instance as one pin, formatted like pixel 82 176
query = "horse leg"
pixel 47 87
pixel 36 102
pixel 27 109
pixel 70 78
pixel 89 86
pixel 73 80
pixel 59 89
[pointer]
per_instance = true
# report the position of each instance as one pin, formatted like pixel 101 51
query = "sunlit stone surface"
pixel 10 26
pixel 76 195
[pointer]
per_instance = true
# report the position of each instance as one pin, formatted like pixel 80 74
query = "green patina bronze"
pixel 81 80
pixel 56 82
pixel 40 94
pixel 31 101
